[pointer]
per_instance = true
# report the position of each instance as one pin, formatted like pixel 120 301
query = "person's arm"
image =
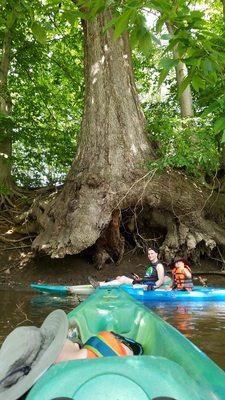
pixel 187 273
pixel 161 275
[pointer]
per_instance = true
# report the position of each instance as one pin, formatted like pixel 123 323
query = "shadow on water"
pixel 202 323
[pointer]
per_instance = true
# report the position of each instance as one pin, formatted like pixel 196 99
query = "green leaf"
pixel 172 44
pixel 122 23
pixel 223 137
pixel 134 37
pixel 108 3
pixel 160 22
pixel 155 39
pixel 39 32
pixel 208 66
pixel 168 63
pixel 96 7
pixel 109 24
pixel 70 16
pixel 219 125
pixel 145 43
pixel 11 18
pixel 197 83
pixel 186 81
pixel 214 106
pixel 165 36
pixel 184 85
pixel 162 5
pixel 162 76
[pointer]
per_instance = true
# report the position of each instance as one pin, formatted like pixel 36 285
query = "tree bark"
pixel 108 174
pixel 112 146
pixel 5 110
pixel 185 98
pixel 223 3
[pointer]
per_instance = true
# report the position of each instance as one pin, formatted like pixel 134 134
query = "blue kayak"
pixel 199 293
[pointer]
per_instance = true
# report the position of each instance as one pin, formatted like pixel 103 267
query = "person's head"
pixel 180 263
pixel 152 255
pixel 28 352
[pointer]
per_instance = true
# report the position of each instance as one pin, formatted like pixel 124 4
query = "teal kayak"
pixel 62 289
pixel 198 293
pixel 171 367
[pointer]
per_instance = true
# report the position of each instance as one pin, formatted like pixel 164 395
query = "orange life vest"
pixel 104 344
pixel 180 280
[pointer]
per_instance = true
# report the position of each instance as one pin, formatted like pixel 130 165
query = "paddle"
pixel 202 281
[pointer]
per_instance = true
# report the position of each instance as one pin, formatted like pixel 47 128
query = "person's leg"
pixel 119 280
pixel 167 284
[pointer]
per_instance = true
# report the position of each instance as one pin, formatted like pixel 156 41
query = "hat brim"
pixel 56 321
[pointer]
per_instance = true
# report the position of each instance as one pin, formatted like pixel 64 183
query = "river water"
pixel 203 324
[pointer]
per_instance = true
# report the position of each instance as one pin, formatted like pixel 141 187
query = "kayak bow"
pixel 172 366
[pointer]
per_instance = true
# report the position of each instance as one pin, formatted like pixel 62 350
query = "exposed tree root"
pixel 7 240
pixel 110 245
pixel 88 216
pixel 156 210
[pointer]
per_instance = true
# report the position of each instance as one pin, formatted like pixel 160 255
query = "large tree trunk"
pixel 112 148
pixel 108 174
pixel 5 110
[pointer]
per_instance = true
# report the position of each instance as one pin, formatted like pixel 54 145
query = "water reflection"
pixel 202 323
pixel 21 307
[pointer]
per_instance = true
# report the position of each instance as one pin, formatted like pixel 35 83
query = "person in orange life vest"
pixel 182 276
pixel 103 344
pixel 28 351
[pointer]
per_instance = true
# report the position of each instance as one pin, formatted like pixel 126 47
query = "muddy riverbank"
pixel 19 267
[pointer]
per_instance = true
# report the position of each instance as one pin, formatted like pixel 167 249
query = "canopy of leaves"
pixel 46 86
pixel 45 80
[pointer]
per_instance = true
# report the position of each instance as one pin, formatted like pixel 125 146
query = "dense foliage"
pixel 45 81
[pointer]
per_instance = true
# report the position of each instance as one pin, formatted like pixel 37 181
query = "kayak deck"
pixel 62 289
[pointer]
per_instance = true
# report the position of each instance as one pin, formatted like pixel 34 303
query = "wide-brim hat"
pixel 28 352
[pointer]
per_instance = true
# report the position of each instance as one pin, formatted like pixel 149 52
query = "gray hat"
pixel 28 352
